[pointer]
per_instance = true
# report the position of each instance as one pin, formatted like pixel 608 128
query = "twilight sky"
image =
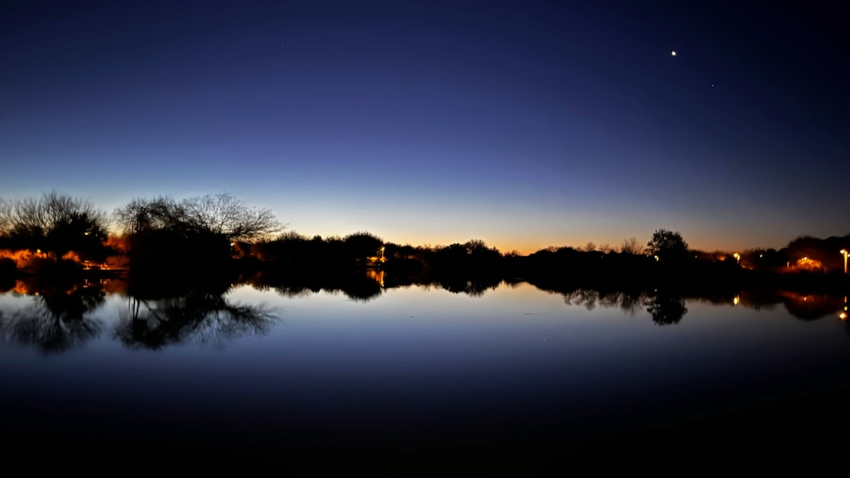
pixel 525 124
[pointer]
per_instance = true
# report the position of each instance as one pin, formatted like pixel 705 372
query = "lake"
pixel 420 379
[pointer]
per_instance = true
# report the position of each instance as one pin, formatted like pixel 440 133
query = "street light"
pixel 737 256
pixel 844 251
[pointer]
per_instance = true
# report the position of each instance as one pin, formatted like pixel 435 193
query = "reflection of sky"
pixel 556 124
pixel 516 354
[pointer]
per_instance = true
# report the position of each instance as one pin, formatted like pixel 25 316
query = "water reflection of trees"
pixel 666 309
pixel 164 311
pixel 57 321
pixel 475 286
pixel 810 306
pixel 366 286
pixel 200 317
pixel 357 287
pixel 669 306
pixel 629 302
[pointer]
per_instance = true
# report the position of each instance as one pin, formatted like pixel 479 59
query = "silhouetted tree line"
pixel 220 235
pixel 292 250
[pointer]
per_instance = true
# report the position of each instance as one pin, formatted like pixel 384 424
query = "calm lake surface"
pixel 415 375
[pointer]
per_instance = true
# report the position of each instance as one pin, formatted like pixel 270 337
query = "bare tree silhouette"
pixel 219 214
pixel 631 246
pixel 225 215
pixel 198 232
pixel 55 223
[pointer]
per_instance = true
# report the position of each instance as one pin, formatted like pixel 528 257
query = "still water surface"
pixel 414 369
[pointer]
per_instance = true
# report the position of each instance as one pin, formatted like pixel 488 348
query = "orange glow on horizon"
pixel 22 258
pixel 119 243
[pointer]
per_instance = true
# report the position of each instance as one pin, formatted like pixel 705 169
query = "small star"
pixel 673 52
pixel 712 85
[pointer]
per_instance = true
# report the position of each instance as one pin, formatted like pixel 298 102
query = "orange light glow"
pixel 71 256
pixel 376 275
pixel 23 258
pixel 21 288
pixel 808 264
pixel 119 243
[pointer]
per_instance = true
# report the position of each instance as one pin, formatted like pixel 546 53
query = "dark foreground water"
pixel 420 381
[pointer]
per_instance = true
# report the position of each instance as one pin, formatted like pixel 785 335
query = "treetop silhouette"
pixel 667 245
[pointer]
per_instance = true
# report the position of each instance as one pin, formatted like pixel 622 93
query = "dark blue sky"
pixel 525 124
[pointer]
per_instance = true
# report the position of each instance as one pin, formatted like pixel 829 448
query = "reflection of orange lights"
pixel 110 286
pixel 20 288
pixel 114 286
pixel 114 262
pixel 799 298
pixel 376 275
